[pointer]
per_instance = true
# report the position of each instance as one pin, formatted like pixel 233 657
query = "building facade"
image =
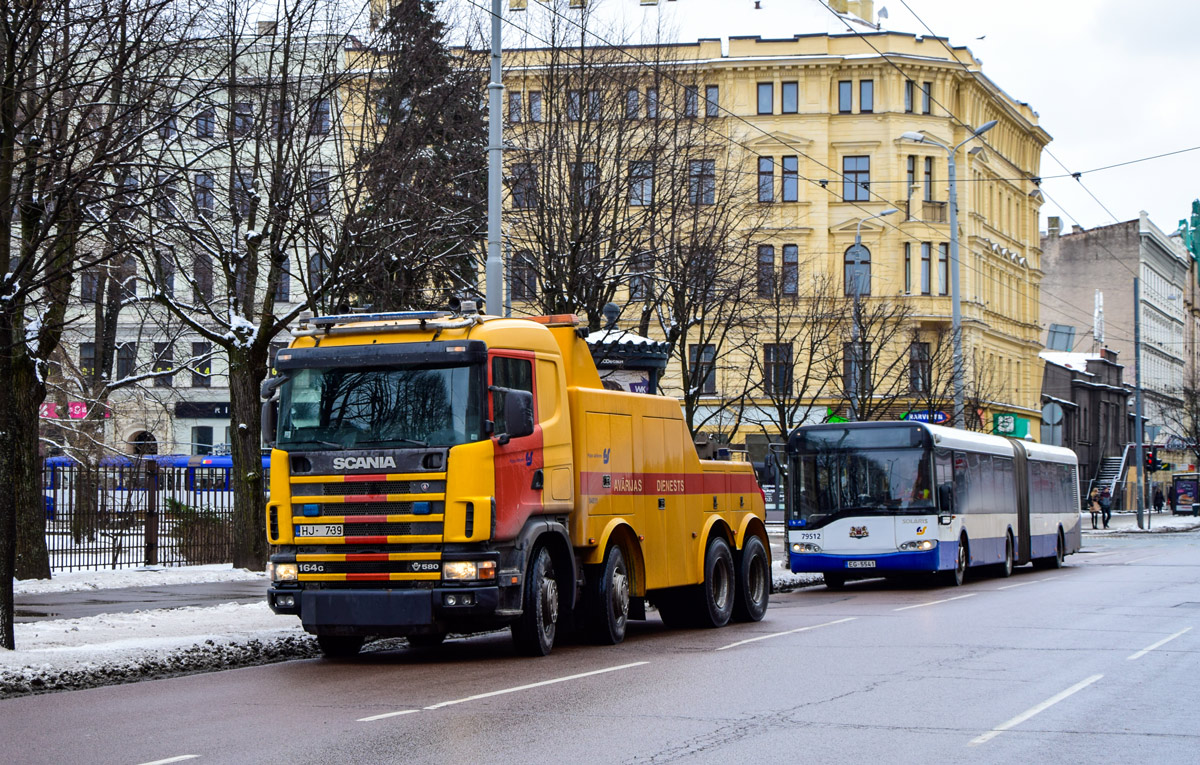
pixel 1086 407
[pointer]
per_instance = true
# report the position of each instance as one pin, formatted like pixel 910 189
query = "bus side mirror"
pixel 270 411
pixel 946 501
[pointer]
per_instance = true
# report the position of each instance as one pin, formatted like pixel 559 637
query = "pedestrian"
pixel 1093 504
pixel 1159 499
pixel 1105 506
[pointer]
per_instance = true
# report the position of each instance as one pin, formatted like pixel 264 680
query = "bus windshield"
pixel 860 481
pixel 345 408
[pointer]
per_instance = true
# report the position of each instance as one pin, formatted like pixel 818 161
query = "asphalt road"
pixel 77 605
pixel 1094 663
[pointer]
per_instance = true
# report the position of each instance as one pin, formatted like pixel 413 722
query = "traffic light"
pixel 1152 459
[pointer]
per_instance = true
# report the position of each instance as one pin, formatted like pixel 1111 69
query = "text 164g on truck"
pixel 435 472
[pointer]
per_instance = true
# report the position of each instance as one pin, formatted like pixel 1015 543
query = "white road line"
pixel 1028 713
pixel 1150 648
pixel 478 696
pixel 1138 560
pixel 180 758
pixel 373 718
pixel 788 632
pixel 1018 584
pixel 935 602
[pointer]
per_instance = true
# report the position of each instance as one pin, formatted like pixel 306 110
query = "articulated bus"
pixel 876 499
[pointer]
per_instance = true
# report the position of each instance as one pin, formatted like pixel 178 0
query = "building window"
pixel 702 359
pixel 766 271
pixel 87 361
pixel 791 270
pixel 791 177
pixel 320 117
pixel 318 192
pixel 919 368
pixel 777 369
pixel 201 365
pixel 712 101
pixel 910 92
pixel 691 100
pixel 164 197
pixel 243 118
pixel 535 106
pixel 702 181
pixel 766 98
pixel 943 269
pixel 523 279
pixel 1061 337
pixel 281 118
pixel 856 179
pixel 514 106
pixel 584 178
pixel 866 96
pixel 925 254
pixel 206 122
pixel 202 267
pixel 164 363
pixel 927 98
pixel 845 96
pixel 641 183
pixel 524 186
pixel 632 111
pixel 908 268
pixel 202 440
pixel 574 105
pixel 382 110
pixel 164 272
pixel 857 272
pixel 243 191
pixel 929 179
pixel 283 287
pixel 651 103
pixel 127 277
pixel 641 276
pixel 203 196
pixel 856 367
pixel 89 287
pixel 167 125
pixel 595 111
pixel 789 97
pixel 766 179
pixel 126 359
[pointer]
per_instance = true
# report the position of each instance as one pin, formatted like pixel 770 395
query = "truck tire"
pixel 608 598
pixel 676 607
pixel 533 632
pixel 720 583
pixel 339 646
pixel 753 582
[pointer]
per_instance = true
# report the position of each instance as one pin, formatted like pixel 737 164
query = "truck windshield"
pixel 344 408
pixel 857 481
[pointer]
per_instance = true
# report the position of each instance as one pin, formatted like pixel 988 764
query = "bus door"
pixel 1023 552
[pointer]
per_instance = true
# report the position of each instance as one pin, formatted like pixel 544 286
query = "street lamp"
pixel 955 297
pixel 857 254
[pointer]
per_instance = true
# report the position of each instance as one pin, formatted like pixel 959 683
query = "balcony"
pixel 933 212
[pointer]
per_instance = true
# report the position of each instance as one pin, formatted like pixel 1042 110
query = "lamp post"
pixel 857 253
pixel 955 295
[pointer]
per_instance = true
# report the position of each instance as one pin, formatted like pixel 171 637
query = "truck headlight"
pixel 805 547
pixel 919 544
pixel 282 572
pixel 468 570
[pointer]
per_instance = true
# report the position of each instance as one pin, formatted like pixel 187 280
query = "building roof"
pixel 1074 361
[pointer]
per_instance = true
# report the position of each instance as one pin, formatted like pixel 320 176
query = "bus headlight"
pixel 919 544
pixel 282 572
pixel 805 547
pixel 466 570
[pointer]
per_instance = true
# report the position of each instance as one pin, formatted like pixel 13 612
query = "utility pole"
pixel 1138 424
pixel 494 273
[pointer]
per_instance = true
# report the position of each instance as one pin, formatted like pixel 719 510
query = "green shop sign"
pixel 1009 424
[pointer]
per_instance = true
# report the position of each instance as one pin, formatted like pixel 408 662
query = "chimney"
pixel 266 28
pixel 1053 225
pixel 1076 228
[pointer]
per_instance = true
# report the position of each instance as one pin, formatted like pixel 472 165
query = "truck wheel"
pixel 339 646
pixel 753 582
pixel 608 598
pixel 533 632
pixel 675 607
pixel 717 590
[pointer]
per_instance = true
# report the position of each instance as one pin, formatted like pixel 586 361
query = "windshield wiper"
pixel 314 441
pixel 392 441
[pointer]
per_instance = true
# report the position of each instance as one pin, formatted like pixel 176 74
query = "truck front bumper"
pixel 386 612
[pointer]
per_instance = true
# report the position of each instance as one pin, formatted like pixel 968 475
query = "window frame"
pixel 854 187
pixel 794 87
pixel 845 97
pixel 765 98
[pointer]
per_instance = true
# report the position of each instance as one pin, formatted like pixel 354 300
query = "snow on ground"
pixel 74 581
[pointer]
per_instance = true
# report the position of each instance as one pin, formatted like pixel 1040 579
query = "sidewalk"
pixel 1122 523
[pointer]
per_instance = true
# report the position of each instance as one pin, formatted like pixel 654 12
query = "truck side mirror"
pixel 518 413
pixel 270 411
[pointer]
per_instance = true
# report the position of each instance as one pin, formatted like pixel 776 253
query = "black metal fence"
pixel 140 513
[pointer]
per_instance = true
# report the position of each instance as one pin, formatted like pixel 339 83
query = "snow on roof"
pixel 1075 361
pixel 619 337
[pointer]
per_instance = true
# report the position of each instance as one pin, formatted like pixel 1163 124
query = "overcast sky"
pixel 1112 81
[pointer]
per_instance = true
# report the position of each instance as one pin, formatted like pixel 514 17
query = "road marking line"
pixel 1150 648
pixel 180 758
pixel 1138 560
pixel 788 632
pixel 1014 722
pixel 1018 584
pixel 935 602
pixel 373 718
pixel 489 694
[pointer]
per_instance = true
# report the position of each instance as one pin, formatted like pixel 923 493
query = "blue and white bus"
pixel 873 499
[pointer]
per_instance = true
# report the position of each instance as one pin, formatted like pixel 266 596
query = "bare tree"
pixel 870 374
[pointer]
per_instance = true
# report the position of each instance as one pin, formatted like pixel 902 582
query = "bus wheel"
pixel 717 590
pixel 608 594
pixel 1055 560
pixel 956 577
pixel 1006 568
pixel 753 582
pixel 339 646
pixel 533 632
pixel 834 580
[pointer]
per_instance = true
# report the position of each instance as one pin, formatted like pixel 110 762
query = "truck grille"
pixel 392 529
pixel 351 488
